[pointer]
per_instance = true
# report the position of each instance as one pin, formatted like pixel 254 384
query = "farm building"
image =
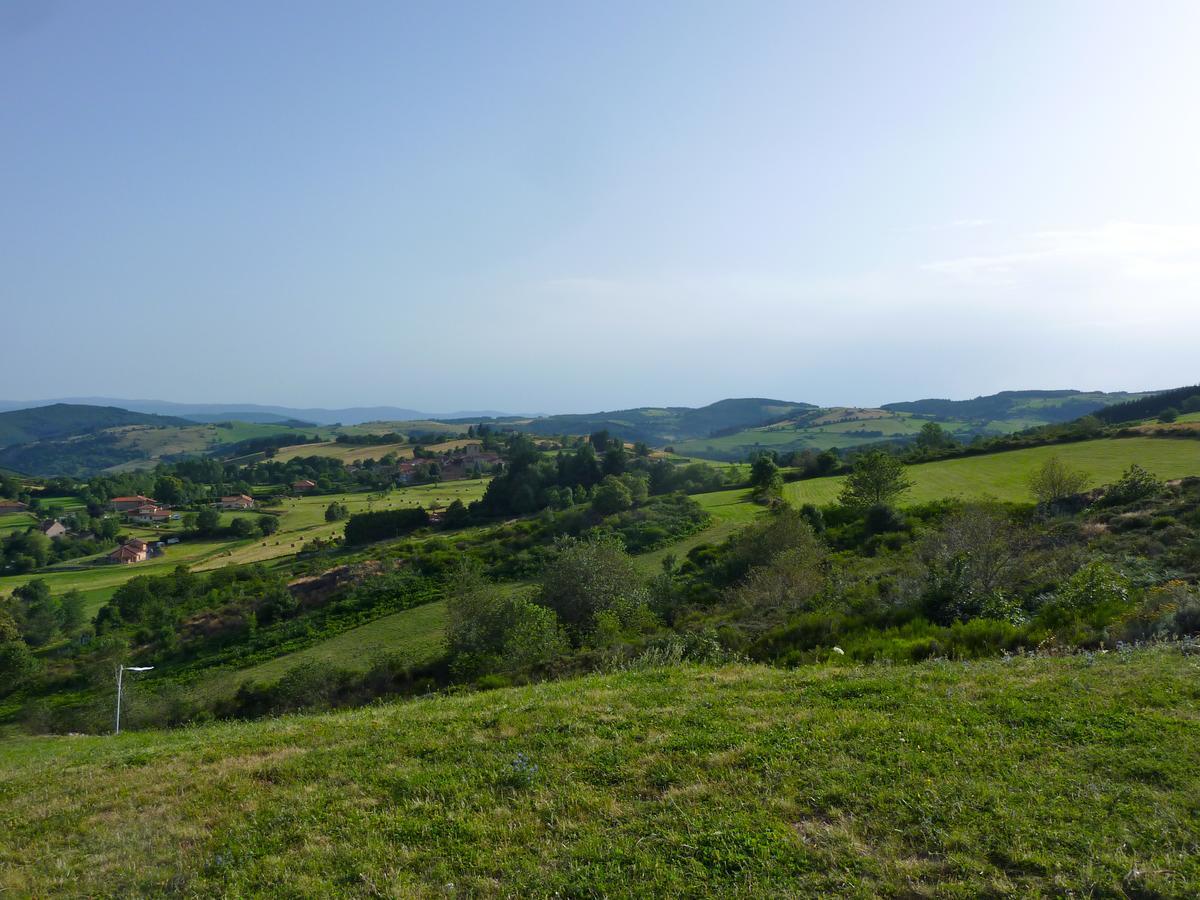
pixel 238 501
pixel 12 506
pixel 124 504
pixel 133 551
pixel 52 528
pixel 304 485
pixel 150 514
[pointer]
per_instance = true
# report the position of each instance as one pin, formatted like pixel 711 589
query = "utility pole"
pixel 120 686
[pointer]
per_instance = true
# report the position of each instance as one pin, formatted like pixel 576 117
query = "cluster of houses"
pixel 143 510
pixel 148 511
pixel 451 466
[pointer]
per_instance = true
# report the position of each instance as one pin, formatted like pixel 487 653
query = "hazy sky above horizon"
pixel 568 207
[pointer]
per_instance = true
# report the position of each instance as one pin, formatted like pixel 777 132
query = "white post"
pixel 120 672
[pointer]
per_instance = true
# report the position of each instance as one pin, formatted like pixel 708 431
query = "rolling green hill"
pixel 1186 399
pixel 60 420
pixel 132 446
pixel 849 427
pixel 1043 407
pixel 1031 776
pixel 663 425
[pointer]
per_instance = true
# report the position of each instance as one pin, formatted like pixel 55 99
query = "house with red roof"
pixel 125 504
pixel 132 551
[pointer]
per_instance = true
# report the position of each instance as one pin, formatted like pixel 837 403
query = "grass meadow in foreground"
pixel 1055 776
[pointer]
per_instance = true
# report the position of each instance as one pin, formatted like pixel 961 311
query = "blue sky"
pixel 567 207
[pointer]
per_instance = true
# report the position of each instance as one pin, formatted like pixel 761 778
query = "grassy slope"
pixel 417 634
pixel 1036 776
pixel 153 443
pixel 730 511
pixel 1005 476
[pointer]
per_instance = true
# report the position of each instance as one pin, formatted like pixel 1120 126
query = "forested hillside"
pixel 61 420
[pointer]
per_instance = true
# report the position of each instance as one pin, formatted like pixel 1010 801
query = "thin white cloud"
pixel 1139 251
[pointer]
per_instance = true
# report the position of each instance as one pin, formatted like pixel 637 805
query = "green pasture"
pixel 1005 476
pixel 97 580
pixel 730 510
pixel 67 502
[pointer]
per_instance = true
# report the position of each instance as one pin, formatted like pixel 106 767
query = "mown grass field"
pixel 1048 776
pixel 1005 476
pixel 301 519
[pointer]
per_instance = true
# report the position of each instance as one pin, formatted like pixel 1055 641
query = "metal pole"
pixel 120 672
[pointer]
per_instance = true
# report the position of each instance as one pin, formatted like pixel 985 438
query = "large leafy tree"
pixel 1055 481
pixel 877 479
pixel 765 477
pixel 16 662
pixel 589 577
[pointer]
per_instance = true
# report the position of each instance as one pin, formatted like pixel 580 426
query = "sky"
pixel 554 207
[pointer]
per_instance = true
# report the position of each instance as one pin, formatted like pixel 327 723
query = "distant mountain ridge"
pixel 256 412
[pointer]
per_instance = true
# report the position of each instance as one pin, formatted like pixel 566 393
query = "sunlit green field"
pixel 1005 476
pixel 351 453
pixel 97 582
